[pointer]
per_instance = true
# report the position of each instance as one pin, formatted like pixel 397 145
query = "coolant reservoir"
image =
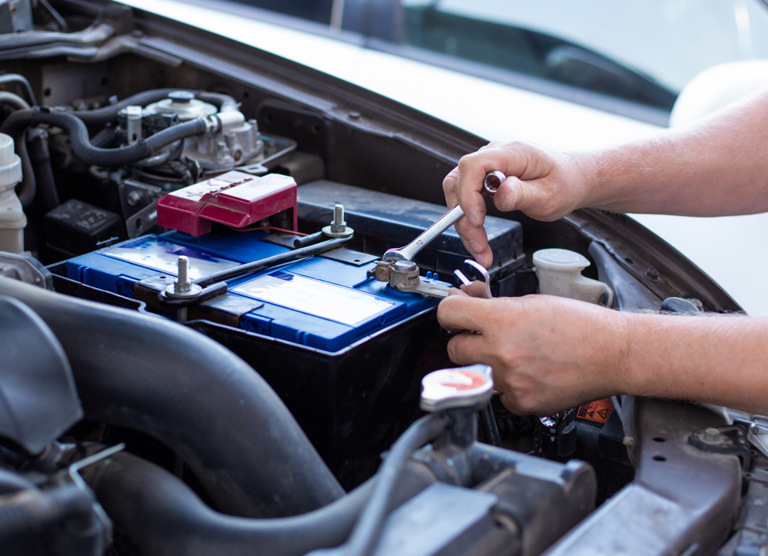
pixel 559 273
pixel 12 219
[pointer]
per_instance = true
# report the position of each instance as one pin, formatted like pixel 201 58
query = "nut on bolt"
pixel 338 226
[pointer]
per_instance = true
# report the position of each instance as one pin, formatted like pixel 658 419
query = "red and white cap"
pixel 455 388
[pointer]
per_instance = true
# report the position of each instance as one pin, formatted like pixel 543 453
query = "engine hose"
pixel 13 482
pixel 86 152
pixel 224 103
pixel 101 116
pixel 28 517
pixel 368 528
pixel 160 515
pixel 149 374
pixel 106 138
pixel 40 158
pixel 23 82
pixel 27 189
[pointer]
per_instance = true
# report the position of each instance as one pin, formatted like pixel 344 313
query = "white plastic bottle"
pixel 12 218
pixel 559 273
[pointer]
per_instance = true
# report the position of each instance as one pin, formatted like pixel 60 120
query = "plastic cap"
pixel 454 388
pixel 10 163
pixel 559 259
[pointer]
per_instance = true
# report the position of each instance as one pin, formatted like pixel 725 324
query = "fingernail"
pixel 475 247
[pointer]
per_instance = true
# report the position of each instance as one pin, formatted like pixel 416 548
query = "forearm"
pixel 717 167
pixel 717 359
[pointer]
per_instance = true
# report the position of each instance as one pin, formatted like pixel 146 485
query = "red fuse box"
pixel 234 199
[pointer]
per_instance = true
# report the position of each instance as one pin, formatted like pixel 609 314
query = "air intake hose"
pixel 147 373
pixel 160 515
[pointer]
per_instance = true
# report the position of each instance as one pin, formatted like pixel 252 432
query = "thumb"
pixel 533 197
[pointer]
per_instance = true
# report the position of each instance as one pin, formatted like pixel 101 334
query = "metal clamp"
pixel 404 276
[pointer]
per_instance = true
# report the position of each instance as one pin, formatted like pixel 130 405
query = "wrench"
pixel 491 184
pixel 479 269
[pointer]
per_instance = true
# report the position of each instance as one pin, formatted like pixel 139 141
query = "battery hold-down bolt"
pixel 183 287
pixel 338 226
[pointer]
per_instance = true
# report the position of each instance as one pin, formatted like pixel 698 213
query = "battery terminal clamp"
pixel 404 276
pixel 397 266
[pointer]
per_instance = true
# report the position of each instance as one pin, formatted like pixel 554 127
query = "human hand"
pixel 547 353
pixel 544 185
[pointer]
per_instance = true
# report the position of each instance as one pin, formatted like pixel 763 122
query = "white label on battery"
pixel 164 256
pixel 328 301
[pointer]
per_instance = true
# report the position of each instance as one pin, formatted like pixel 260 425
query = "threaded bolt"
pixel 338 225
pixel 182 282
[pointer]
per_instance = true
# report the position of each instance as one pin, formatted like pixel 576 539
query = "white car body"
pixel 729 249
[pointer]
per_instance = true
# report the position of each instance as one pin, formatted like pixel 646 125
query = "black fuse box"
pixel 76 227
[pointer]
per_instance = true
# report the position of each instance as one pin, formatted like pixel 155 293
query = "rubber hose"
pixel 106 138
pixel 27 189
pixel 12 482
pixel 223 102
pixel 153 375
pixel 40 158
pixel 27 517
pixel 15 100
pixel 90 154
pixel 161 515
pixel 368 528
pixel 25 86
pixel 101 116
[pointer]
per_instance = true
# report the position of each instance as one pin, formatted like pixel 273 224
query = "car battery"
pixel 344 352
pixel 318 302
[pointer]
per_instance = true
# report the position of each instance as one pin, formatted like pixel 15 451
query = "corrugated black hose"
pixel 149 374
pixel 160 515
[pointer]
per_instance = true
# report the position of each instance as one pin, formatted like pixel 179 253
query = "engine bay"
pixel 204 358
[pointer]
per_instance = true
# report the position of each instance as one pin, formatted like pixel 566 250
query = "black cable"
pixel 488 422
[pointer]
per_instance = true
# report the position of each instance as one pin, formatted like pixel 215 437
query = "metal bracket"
pixel 728 439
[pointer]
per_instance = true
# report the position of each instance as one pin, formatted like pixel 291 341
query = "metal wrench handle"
pixel 491 183
pixel 427 236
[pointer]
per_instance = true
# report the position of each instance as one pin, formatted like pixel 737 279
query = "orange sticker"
pixel 597 411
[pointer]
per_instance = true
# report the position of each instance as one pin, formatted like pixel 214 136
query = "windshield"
pixel 665 42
